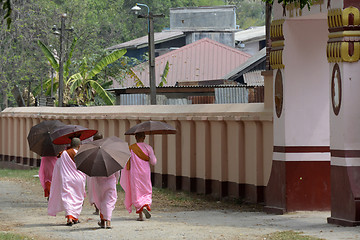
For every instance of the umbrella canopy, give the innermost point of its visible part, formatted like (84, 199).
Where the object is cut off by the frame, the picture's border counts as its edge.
(40, 141)
(151, 127)
(102, 157)
(64, 134)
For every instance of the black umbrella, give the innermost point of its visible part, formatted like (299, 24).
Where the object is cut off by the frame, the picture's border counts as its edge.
(151, 127)
(39, 138)
(64, 134)
(102, 157)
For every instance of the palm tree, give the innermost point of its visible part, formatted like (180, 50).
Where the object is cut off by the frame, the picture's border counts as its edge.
(84, 84)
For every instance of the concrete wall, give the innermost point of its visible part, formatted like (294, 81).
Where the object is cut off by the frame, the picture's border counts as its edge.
(203, 18)
(220, 149)
(226, 38)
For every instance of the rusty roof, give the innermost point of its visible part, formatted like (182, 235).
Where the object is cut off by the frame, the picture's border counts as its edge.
(203, 60)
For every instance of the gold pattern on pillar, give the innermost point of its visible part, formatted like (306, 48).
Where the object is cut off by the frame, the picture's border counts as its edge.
(344, 35)
(277, 44)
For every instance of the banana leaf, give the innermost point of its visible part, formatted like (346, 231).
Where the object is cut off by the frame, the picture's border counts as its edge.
(164, 75)
(112, 57)
(101, 92)
(50, 57)
(75, 81)
(68, 61)
(107, 84)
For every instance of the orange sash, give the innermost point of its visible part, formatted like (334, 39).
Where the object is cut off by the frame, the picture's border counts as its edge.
(71, 153)
(137, 150)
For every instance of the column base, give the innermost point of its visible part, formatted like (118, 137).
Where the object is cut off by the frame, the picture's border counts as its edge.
(343, 222)
(298, 186)
(274, 210)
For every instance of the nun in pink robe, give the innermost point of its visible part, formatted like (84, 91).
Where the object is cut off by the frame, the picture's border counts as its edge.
(136, 181)
(104, 195)
(45, 173)
(67, 188)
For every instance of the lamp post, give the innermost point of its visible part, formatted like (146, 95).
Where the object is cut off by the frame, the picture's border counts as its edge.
(60, 31)
(151, 47)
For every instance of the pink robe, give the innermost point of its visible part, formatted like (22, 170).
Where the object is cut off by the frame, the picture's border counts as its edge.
(105, 194)
(136, 182)
(67, 188)
(89, 180)
(46, 171)
(90, 189)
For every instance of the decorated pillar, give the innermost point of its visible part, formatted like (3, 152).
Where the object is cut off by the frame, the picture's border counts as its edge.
(300, 175)
(343, 52)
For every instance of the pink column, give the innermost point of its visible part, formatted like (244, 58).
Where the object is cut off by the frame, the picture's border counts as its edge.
(300, 175)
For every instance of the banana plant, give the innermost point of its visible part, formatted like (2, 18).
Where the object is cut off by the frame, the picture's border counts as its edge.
(54, 63)
(164, 75)
(84, 84)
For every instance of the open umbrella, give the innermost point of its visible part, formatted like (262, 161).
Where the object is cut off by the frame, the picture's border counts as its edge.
(64, 134)
(102, 157)
(39, 138)
(151, 127)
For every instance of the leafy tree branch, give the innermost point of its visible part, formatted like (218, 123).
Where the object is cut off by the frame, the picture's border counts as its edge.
(302, 3)
(6, 6)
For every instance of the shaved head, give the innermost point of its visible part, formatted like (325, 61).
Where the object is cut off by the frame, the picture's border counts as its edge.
(75, 143)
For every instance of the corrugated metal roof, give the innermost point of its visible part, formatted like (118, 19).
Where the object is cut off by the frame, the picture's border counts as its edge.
(141, 42)
(231, 95)
(202, 8)
(253, 79)
(192, 88)
(202, 60)
(249, 35)
(243, 68)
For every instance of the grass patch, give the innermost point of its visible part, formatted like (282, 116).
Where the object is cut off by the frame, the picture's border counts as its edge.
(11, 174)
(166, 199)
(12, 236)
(289, 235)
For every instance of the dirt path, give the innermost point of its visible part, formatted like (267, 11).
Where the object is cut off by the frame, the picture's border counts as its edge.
(24, 210)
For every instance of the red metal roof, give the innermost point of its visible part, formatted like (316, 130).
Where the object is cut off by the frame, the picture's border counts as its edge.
(202, 60)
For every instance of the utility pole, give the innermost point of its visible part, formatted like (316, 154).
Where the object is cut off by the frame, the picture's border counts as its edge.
(61, 61)
(152, 60)
(151, 47)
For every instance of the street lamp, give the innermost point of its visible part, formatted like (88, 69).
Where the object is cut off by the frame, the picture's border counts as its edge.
(60, 31)
(151, 47)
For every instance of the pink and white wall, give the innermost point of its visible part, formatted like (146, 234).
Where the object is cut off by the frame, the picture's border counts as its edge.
(316, 132)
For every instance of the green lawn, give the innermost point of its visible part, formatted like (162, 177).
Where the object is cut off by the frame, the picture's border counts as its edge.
(12, 236)
(289, 235)
(27, 175)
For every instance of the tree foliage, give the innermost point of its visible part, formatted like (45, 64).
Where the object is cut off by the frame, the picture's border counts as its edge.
(302, 3)
(97, 24)
(249, 12)
(6, 11)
